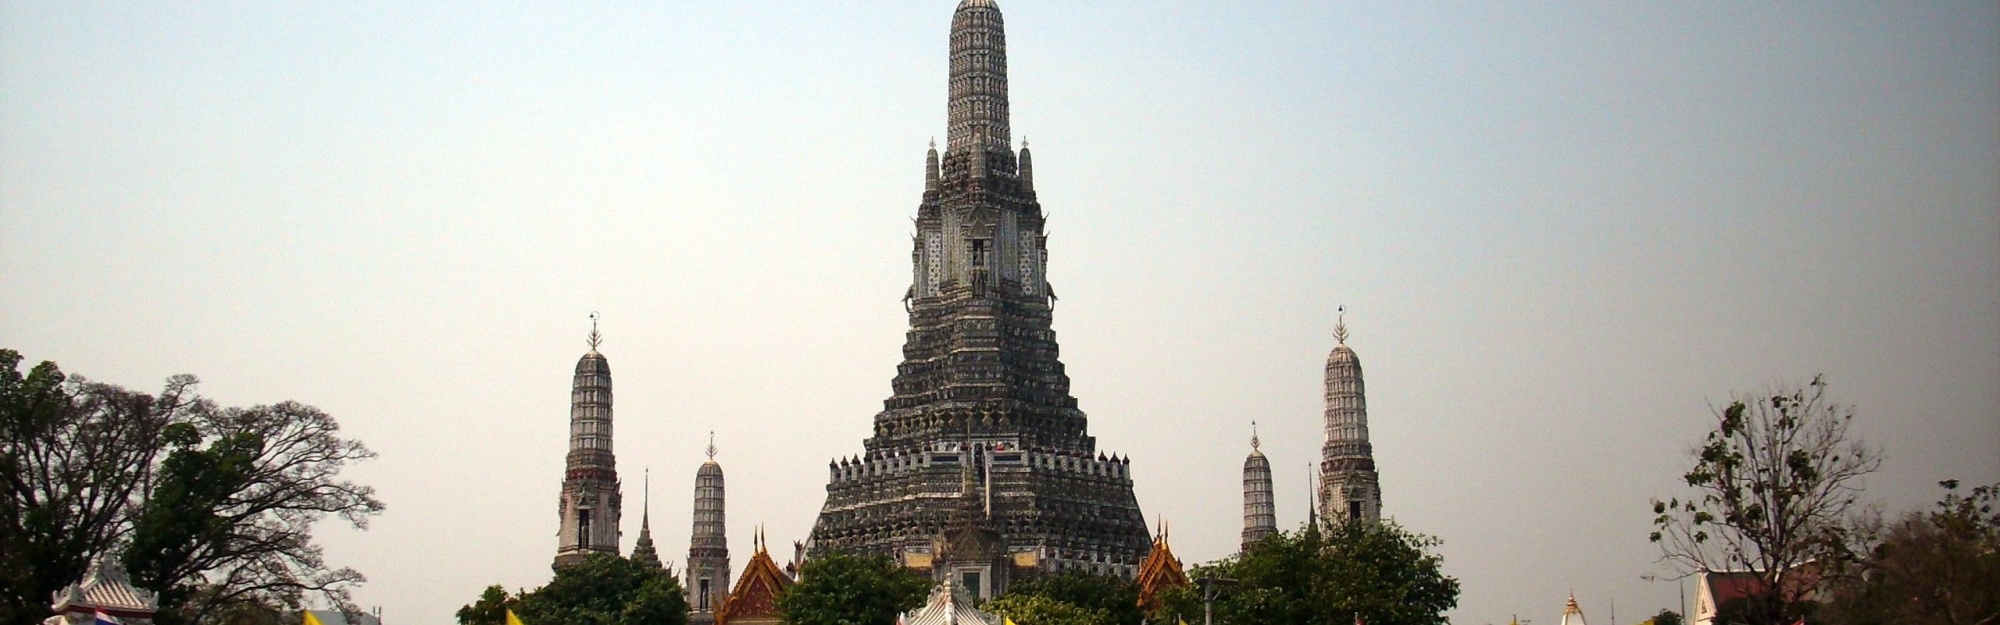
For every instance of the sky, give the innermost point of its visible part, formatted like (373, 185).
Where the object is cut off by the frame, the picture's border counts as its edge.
(1562, 232)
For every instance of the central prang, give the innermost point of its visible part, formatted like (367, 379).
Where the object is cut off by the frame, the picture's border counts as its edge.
(981, 467)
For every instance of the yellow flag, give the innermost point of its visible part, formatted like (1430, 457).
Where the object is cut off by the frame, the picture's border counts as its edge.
(1004, 620)
(513, 620)
(1183, 621)
(310, 619)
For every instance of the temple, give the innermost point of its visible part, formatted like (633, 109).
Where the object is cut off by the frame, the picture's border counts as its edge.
(754, 601)
(1349, 488)
(1159, 572)
(105, 589)
(980, 388)
(590, 492)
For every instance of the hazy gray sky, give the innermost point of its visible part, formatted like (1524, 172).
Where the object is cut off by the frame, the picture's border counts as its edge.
(1561, 229)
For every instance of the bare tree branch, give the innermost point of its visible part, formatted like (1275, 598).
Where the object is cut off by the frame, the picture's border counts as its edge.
(1774, 484)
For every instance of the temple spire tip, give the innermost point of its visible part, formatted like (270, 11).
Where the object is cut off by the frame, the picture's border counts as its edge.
(1340, 327)
(595, 339)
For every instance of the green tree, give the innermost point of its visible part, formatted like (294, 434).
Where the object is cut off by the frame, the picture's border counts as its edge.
(212, 506)
(72, 457)
(602, 589)
(840, 589)
(1666, 617)
(1116, 596)
(1939, 567)
(1030, 609)
(241, 510)
(490, 609)
(1774, 486)
(1375, 571)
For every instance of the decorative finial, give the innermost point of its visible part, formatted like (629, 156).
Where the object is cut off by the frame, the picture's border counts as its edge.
(595, 338)
(646, 502)
(1340, 327)
(711, 444)
(1024, 142)
(1253, 435)
(933, 144)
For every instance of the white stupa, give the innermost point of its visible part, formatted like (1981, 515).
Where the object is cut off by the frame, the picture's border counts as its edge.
(1573, 615)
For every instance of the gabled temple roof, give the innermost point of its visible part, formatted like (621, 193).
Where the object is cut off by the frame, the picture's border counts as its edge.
(756, 592)
(948, 606)
(1160, 571)
(105, 586)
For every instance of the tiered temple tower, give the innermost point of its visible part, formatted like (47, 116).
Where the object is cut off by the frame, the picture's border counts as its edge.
(590, 492)
(1349, 488)
(1260, 514)
(708, 546)
(980, 380)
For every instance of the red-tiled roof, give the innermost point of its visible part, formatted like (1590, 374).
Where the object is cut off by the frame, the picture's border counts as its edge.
(756, 592)
(1160, 571)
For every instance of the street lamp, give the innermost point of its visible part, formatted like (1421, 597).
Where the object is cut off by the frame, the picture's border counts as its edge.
(1209, 590)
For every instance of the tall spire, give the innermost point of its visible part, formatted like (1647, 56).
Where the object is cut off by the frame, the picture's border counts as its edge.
(979, 280)
(978, 102)
(708, 546)
(591, 500)
(1349, 486)
(643, 551)
(1260, 514)
(1312, 508)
